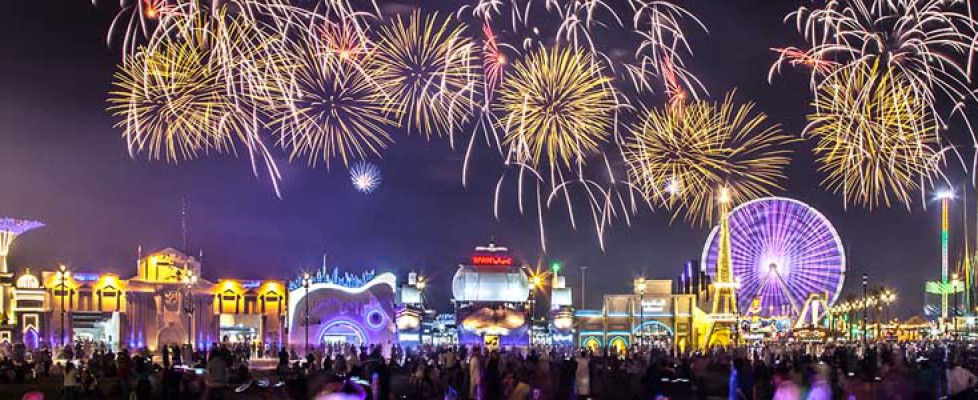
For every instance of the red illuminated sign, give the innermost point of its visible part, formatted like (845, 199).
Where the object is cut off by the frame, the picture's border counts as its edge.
(492, 260)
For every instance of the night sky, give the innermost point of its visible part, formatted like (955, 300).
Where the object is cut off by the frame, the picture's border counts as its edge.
(62, 162)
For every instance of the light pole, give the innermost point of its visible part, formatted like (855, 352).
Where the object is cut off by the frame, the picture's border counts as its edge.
(421, 285)
(955, 282)
(306, 281)
(640, 287)
(190, 280)
(583, 287)
(62, 275)
(865, 308)
(535, 281)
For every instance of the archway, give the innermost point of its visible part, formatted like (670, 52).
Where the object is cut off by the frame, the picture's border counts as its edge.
(592, 344)
(338, 332)
(170, 335)
(30, 338)
(619, 345)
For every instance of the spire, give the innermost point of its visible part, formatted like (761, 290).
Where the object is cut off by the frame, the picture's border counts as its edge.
(183, 224)
(725, 302)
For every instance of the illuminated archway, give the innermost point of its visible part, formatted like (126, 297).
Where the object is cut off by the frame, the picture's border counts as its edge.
(343, 332)
(592, 344)
(619, 345)
(30, 338)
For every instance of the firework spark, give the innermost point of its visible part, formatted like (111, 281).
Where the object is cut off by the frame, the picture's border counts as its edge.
(680, 158)
(365, 177)
(876, 138)
(557, 105)
(429, 72)
(326, 106)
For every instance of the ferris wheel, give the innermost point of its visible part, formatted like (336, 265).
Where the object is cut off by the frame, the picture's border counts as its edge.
(782, 251)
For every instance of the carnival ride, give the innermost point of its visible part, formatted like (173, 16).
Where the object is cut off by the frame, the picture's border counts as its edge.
(782, 251)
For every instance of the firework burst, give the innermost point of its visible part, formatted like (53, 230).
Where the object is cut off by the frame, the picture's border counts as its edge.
(877, 141)
(365, 177)
(173, 102)
(930, 42)
(556, 105)
(681, 157)
(429, 72)
(326, 107)
(179, 96)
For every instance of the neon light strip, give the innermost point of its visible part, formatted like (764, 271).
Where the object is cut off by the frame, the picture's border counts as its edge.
(944, 236)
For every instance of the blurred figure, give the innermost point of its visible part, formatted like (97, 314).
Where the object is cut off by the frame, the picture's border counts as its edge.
(821, 387)
(960, 382)
(784, 388)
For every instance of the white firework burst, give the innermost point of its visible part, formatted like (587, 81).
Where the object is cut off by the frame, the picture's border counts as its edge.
(365, 177)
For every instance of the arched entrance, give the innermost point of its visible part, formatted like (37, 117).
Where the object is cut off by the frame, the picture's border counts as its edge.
(592, 344)
(170, 335)
(30, 338)
(619, 345)
(339, 332)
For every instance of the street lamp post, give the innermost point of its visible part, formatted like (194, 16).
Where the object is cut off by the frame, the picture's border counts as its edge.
(62, 275)
(306, 281)
(865, 308)
(583, 287)
(955, 282)
(535, 282)
(421, 285)
(640, 285)
(190, 280)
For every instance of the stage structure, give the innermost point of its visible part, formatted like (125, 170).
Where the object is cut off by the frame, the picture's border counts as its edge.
(781, 252)
(12, 329)
(333, 307)
(491, 295)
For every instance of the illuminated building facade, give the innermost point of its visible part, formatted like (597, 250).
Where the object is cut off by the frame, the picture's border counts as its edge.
(651, 316)
(164, 303)
(491, 295)
(330, 307)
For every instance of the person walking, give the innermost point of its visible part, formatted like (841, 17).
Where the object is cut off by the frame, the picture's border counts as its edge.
(70, 381)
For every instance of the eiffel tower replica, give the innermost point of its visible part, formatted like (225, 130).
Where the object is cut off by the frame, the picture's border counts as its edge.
(723, 315)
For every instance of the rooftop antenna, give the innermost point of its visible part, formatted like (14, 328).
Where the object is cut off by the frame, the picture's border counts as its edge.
(183, 223)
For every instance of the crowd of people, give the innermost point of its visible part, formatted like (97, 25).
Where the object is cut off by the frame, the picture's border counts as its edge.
(913, 370)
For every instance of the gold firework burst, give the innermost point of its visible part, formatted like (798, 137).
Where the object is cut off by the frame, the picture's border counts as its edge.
(877, 139)
(556, 104)
(429, 71)
(682, 156)
(325, 106)
(172, 102)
